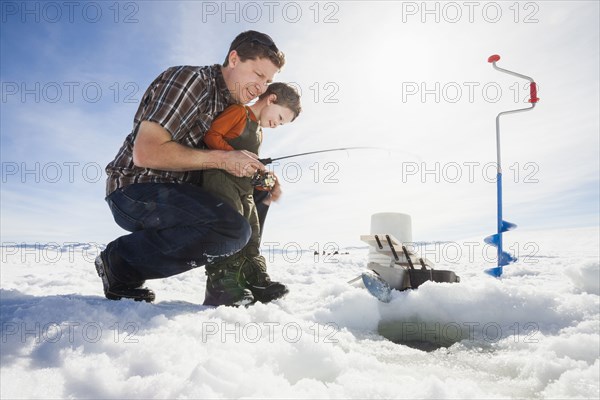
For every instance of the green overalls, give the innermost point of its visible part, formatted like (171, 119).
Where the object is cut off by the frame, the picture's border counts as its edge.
(237, 191)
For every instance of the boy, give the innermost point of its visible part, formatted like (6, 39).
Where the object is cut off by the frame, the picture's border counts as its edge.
(239, 128)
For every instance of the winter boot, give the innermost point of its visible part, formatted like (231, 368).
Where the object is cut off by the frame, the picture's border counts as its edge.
(224, 287)
(115, 290)
(254, 272)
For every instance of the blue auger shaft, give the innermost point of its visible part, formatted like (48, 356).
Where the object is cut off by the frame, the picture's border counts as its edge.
(500, 227)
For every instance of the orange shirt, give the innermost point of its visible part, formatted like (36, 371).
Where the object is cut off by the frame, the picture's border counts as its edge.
(228, 125)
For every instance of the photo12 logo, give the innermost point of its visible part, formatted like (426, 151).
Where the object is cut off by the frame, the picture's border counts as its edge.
(467, 172)
(53, 12)
(69, 92)
(474, 252)
(49, 252)
(70, 331)
(270, 11)
(463, 92)
(51, 172)
(453, 12)
(452, 332)
(253, 332)
(293, 252)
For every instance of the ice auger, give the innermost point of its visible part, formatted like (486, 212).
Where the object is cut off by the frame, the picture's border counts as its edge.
(504, 258)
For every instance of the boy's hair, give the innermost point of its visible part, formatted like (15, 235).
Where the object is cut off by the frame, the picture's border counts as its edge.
(252, 45)
(287, 96)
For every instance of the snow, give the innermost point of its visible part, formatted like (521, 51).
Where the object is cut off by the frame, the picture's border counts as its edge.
(534, 333)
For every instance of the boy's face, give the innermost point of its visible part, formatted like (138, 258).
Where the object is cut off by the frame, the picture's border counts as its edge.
(248, 79)
(274, 115)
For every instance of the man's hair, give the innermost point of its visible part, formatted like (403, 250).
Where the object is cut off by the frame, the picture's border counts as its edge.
(287, 96)
(252, 45)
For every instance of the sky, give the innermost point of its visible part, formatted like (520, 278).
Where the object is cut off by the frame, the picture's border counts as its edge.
(410, 78)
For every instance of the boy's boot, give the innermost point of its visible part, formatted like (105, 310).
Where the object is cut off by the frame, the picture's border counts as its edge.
(223, 285)
(115, 290)
(254, 272)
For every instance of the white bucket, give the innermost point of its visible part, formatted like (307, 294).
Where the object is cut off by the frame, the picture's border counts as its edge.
(397, 225)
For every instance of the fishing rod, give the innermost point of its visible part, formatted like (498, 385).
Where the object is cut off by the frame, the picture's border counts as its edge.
(266, 179)
(267, 161)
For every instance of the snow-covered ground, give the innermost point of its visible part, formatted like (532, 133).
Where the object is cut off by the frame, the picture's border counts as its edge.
(532, 334)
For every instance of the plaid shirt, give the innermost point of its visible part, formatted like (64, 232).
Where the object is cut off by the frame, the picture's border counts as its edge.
(184, 100)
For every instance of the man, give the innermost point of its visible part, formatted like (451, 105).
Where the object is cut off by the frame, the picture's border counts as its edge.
(154, 183)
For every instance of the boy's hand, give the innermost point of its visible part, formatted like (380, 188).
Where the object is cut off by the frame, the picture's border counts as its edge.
(241, 163)
(276, 190)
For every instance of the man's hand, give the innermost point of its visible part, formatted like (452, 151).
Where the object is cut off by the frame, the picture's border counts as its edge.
(241, 163)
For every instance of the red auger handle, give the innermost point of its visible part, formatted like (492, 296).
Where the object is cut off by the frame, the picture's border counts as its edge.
(532, 86)
(533, 93)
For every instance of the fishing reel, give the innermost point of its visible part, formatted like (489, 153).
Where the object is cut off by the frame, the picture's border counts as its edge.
(264, 180)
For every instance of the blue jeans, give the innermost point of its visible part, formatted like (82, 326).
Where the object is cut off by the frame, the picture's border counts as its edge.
(174, 228)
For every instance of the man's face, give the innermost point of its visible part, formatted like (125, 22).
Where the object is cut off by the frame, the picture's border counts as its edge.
(248, 80)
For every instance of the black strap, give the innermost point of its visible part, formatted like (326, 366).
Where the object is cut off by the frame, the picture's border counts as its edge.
(387, 237)
(410, 263)
(378, 242)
